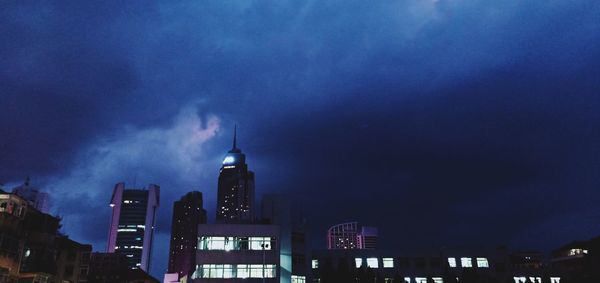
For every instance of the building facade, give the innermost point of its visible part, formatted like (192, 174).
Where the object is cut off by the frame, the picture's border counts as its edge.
(238, 253)
(72, 261)
(31, 247)
(235, 195)
(443, 266)
(351, 235)
(132, 224)
(188, 213)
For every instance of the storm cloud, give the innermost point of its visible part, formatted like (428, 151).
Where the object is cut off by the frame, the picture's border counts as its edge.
(464, 121)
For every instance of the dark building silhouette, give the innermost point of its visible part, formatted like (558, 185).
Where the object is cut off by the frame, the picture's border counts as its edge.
(113, 268)
(187, 214)
(31, 247)
(235, 200)
(72, 260)
(132, 224)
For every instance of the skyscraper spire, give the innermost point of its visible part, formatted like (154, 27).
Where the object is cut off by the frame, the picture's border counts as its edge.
(234, 136)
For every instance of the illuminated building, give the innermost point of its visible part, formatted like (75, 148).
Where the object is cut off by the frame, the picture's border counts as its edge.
(235, 196)
(187, 214)
(351, 236)
(227, 252)
(132, 224)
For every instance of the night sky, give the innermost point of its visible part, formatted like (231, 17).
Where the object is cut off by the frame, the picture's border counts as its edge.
(441, 122)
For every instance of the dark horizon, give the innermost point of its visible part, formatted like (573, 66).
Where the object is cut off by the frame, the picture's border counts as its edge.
(438, 122)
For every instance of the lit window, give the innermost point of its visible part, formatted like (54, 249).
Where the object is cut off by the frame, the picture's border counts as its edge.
(228, 271)
(298, 279)
(243, 271)
(260, 243)
(407, 279)
(554, 279)
(256, 271)
(228, 160)
(420, 279)
(437, 280)
(574, 252)
(372, 262)
(466, 262)
(358, 262)
(520, 279)
(315, 263)
(482, 262)
(452, 262)
(388, 262)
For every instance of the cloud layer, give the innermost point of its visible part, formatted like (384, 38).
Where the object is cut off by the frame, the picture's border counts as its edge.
(466, 121)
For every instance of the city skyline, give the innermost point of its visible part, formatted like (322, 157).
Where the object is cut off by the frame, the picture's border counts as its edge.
(466, 122)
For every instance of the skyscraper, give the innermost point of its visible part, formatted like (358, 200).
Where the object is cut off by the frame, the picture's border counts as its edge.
(235, 200)
(132, 224)
(187, 214)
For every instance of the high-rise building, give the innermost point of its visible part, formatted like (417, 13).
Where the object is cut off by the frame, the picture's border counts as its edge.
(350, 235)
(132, 224)
(235, 200)
(187, 214)
(34, 196)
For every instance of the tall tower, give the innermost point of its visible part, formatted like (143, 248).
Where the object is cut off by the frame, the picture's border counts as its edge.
(235, 197)
(187, 214)
(132, 224)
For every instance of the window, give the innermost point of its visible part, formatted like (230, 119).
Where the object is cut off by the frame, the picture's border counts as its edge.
(243, 271)
(482, 262)
(372, 262)
(421, 280)
(388, 262)
(407, 279)
(437, 280)
(466, 262)
(315, 263)
(298, 279)
(260, 243)
(256, 271)
(240, 271)
(228, 271)
(358, 262)
(554, 279)
(452, 262)
(235, 243)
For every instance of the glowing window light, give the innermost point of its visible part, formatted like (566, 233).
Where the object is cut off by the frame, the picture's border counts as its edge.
(358, 262)
(452, 262)
(372, 262)
(482, 262)
(228, 160)
(466, 262)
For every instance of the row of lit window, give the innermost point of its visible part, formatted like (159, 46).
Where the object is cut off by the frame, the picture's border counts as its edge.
(129, 247)
(388, 262)
(235, 271)
(298, 279)
(523, 279)
(373, 262)
(467, 262)
(235, 243)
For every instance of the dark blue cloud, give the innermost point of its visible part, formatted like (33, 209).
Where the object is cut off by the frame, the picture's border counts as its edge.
(464, 121)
